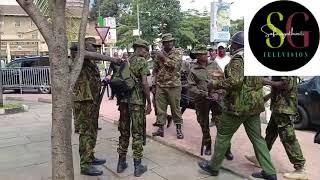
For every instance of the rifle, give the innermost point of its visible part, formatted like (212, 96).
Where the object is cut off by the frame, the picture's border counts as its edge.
(104, 86)
(201, 149)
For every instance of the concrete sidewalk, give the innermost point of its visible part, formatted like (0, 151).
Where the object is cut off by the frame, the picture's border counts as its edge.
(241, 145)
(25, 152)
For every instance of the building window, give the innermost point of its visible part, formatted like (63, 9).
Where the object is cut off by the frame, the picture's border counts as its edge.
(20, 35)
(18, 23)
(35, 35)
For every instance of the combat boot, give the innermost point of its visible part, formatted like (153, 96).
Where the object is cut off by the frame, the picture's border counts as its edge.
(297, 174)
(122, 164)
(229, 155)
(263, 175)
(139, 169)
(204, 165)
(91, 171)
(207, 151)
(253, 159)
(159, 132)
(97, 161)
(179, 132)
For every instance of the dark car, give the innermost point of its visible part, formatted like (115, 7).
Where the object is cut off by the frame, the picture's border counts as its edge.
(28, 73)
(308, 103)
(36, 61)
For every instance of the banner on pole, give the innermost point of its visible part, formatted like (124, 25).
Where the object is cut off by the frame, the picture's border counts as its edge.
(220, 22)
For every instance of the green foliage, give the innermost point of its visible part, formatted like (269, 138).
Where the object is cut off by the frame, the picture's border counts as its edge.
(237, 25)
(193, 29)
(157, 17)
(11, 106)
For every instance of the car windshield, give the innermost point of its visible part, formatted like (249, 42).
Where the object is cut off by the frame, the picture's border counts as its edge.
(13, 65)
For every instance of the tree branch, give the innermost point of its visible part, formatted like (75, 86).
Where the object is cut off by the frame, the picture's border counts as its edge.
(40, 21)
(76, 68)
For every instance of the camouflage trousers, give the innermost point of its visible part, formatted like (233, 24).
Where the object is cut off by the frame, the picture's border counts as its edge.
(131, 115)
(216, 111)
(86, 114)
(228, 125)
(282, 125)
(168, 96)
(202, 111)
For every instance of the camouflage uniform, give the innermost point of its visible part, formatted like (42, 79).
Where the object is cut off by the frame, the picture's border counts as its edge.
(168, 86)
(133, 111)
(215, 94)
(243, 103)
(198, 83)
(284, 109)
(86, 110)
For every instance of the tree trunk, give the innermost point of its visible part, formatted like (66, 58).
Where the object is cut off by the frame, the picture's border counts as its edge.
(62, 161)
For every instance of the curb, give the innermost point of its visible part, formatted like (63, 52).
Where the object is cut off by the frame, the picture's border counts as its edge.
(14, 98)
(163, 142)
(23, 108)
(43, 100)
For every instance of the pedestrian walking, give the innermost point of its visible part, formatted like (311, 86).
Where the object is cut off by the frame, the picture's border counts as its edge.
(284, 103)
(216, 96)
(243, 104)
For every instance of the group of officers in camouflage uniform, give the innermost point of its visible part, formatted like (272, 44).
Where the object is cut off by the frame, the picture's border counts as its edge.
(241, 98)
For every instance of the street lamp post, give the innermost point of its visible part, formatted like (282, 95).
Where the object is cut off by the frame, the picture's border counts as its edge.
(138, 18)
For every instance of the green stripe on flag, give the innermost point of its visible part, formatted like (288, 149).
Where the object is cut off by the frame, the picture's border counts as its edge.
(101, 21)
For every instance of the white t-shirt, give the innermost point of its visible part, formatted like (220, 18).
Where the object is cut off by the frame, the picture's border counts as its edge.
(222, 62)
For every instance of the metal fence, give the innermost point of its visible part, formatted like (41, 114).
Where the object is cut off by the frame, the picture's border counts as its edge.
(34, 77)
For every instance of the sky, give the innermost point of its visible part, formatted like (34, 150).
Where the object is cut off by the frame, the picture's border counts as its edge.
(201, 5)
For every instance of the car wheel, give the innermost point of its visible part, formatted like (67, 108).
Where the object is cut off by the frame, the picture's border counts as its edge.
(302, 121)
(44, 89)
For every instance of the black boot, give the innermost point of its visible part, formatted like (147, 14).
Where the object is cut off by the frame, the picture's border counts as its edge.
(139, 169)
(97, 161)
(229, 155)
(122, 164)
(207, 151)
(159, 132)
(179, 132)
(206, 167)
(91, 171)
(263, 175)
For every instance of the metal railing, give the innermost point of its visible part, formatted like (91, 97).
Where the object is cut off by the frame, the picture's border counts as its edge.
(34, 77)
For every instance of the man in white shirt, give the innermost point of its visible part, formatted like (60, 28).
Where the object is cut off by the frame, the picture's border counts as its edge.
(222, 58)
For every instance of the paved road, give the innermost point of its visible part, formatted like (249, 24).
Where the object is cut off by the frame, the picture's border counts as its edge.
(25, 151)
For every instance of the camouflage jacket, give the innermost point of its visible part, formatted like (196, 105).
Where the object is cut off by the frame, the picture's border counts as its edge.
(185, 70)
(244, 95)
(212, 68)
(139, 68)
(285, 100)
(167, 74)
(198, 82)
(88, 85)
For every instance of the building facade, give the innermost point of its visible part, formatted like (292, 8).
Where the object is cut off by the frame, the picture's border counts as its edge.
(19, 35)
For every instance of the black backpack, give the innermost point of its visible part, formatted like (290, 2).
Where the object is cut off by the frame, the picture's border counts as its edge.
(123, 82)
